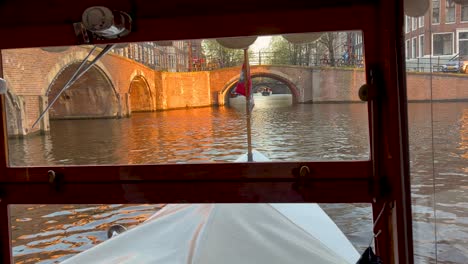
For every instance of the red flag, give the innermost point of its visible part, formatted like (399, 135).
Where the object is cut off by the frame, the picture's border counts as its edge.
(240, 88)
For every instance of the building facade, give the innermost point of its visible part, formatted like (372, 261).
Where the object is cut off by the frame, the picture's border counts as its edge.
(438, 36)
(173, 56)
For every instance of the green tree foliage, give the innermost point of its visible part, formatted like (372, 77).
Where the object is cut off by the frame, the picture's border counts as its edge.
(224, 57)
(279, 51)
(283, 52)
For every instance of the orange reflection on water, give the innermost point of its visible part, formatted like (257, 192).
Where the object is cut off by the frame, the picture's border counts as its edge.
(464, 136)
(60, 231)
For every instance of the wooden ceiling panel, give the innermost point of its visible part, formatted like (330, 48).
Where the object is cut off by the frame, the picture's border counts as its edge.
(33, 23)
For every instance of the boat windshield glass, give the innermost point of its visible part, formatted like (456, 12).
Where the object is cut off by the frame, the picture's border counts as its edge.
(185, 101)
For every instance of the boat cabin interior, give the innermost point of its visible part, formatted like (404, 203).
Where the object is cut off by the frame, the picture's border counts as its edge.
(381, 180)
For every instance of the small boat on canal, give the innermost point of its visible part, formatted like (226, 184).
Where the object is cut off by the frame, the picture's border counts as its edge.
(266, 91)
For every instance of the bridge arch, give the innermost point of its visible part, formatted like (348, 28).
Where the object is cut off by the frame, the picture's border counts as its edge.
(63, 61)
(91, 96)
(224, 96)
(141, 97)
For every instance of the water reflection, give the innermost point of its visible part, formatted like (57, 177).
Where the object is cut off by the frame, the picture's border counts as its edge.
(54, 232)
(280, 130)
(444, 179)
(464, 136)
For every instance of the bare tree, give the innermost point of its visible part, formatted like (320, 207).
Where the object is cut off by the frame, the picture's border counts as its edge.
(330, 41)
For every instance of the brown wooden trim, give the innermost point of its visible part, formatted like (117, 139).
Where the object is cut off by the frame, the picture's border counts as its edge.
(391, 136)
(5, 234)
(203, 171)
(5, 253)
(3, 126)
(260, 22)
(349, 191)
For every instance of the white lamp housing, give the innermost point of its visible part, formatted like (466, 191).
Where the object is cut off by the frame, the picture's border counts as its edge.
(237, 42)
(3, 86)
(417, 8)
(302, 38)
(103, 22)
(55, 49)
(121, 45)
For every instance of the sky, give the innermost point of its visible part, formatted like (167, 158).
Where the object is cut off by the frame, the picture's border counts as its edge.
(261, 43)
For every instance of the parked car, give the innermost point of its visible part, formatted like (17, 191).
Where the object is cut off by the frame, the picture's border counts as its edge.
(455, 65)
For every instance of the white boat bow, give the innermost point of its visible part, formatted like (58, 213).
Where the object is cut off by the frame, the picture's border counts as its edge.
(229, 234)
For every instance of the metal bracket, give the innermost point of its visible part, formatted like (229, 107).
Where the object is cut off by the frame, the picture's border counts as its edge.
(302, 174)
(55, 179)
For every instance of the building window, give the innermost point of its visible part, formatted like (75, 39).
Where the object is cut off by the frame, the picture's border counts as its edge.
(435, 11)
(145, 55)
(421, 45)
(464, 12)
(450, 11)
(421, 21)
(442, 44)
(413, 48)
(408, 49)
(415, 23)
(171, 60)
(463, 44)
(407, 24)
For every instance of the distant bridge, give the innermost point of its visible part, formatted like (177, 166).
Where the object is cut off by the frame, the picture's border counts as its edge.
(117, 86)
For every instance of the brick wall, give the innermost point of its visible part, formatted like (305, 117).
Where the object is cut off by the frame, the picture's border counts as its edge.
(337, 85)
(189, 89)
(421, 86)
(30, 73)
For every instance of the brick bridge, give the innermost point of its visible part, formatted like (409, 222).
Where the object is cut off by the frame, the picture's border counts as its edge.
(117, 86)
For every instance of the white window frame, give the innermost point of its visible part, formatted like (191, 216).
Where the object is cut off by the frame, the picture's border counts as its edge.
(407, 24)
(421, 21)
(461, 10)
(421, 48)
(407, 49)
(454, 12)
(414, 47)
(442, 33)
(414, 24)
(463, 30)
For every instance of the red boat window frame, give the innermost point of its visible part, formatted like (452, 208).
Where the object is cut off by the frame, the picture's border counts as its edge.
(383, 180)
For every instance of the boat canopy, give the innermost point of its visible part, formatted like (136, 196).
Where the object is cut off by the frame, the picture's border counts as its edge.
(229, 234)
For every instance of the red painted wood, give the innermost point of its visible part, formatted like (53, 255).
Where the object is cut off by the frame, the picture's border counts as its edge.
(5, 253)
(254, 22)
(350, 191)
(349, 182)
(389, 133)
(204, 171)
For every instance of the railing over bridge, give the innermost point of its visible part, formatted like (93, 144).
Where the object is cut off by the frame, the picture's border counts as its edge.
(265, 58)
(277, 58)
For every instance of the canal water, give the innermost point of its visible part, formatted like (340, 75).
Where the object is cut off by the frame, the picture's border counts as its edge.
(281, 131)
